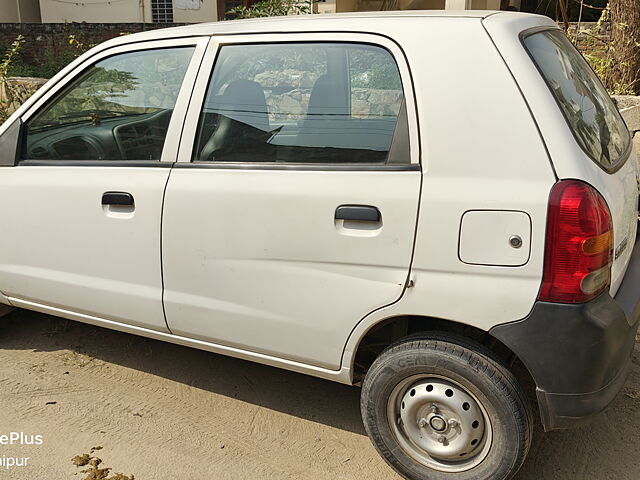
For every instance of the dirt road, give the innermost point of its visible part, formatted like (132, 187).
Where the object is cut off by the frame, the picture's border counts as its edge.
(162, 411)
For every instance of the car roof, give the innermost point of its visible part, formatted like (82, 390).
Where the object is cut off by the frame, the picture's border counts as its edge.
(373, 22)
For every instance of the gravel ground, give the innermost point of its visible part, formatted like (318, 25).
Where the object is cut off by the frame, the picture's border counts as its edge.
(159, 411)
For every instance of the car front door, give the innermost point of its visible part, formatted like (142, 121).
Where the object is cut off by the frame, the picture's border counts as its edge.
(81, 209)
(291, 212)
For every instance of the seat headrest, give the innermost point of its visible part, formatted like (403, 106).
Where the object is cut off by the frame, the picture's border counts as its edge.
(244, 101)
(328, 97)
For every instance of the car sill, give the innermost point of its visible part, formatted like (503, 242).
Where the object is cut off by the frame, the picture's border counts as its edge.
(340, 376)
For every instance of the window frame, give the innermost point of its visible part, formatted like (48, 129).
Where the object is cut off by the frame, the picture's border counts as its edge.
(622, 160)
(190, 131)
(162, 10)
(170, 147)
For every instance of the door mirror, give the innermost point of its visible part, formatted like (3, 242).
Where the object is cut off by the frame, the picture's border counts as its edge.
(9, 143)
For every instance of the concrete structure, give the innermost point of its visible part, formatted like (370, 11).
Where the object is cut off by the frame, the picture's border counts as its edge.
(26, 11)
(128, 11)
(629, 107)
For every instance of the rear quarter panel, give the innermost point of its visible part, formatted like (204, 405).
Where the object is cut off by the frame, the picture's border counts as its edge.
(480, 150)
(619, 189)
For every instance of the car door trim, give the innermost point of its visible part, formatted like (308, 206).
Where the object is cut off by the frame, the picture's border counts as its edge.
(339, 167)
(95, 163)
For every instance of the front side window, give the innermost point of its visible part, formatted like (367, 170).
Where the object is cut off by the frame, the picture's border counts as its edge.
(301, 103)
(118, 109)
(590, 112)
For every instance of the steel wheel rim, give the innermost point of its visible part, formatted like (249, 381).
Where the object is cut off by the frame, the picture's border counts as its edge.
(439, 423)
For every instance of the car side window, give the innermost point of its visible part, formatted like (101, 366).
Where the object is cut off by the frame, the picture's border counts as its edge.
(118, 109)
(329, 103)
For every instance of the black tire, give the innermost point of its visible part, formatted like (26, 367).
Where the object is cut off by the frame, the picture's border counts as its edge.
(470, 366)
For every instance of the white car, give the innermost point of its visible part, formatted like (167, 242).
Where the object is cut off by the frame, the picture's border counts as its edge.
(438, 206)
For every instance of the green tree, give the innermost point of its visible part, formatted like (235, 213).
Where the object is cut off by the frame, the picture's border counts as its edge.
(270, 8)
(11, 96)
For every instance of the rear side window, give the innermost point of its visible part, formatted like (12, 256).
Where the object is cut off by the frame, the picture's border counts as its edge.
(301, 103)
(590, 112)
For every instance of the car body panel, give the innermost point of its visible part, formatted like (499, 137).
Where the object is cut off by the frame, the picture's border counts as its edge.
(266, 268)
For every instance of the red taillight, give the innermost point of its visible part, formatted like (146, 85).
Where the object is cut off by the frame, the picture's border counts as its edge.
(579, 244)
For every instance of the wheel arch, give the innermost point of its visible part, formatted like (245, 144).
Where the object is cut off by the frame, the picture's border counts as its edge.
(386, 331)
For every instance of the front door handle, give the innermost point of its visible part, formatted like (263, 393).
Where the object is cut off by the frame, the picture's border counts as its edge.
(117, 198)
(359, 213)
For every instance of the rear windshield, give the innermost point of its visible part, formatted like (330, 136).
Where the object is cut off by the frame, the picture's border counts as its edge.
(590, 112)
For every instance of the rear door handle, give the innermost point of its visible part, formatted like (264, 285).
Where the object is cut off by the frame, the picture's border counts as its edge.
(360, 213)
(117, 198)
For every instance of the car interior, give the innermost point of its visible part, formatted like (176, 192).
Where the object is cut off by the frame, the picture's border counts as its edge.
(119, 137)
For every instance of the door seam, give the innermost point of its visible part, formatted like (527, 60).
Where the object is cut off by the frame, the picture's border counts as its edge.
(164, 194)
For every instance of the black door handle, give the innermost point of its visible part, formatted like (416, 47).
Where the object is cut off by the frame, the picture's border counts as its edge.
(117, 198)
(360, 213)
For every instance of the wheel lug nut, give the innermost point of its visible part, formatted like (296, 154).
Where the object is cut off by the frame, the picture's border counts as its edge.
(441, 439)
(453, 423)
(434, 408)
(422, 422)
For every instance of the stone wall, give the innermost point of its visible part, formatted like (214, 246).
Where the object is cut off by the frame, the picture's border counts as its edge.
(629, 107)
(31, 84)
(15, 91)
(366, 103)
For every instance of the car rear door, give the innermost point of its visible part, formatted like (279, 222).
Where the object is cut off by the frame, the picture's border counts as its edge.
(291, 212)
(81, 209)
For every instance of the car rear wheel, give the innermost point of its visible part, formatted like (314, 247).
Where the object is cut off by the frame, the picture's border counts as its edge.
(443, 409)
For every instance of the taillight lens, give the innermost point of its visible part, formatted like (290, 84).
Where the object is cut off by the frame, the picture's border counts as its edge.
(579, 244)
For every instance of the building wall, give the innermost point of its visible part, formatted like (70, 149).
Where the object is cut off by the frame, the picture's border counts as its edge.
(8, 11)
(485, 5)
(27, 11)
(473, 4)
(347, 6)
(124, 11)
(421, 4)
(325, 6)
(206, 11)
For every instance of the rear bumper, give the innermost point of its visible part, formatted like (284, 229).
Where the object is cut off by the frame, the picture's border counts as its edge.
(578, 355)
